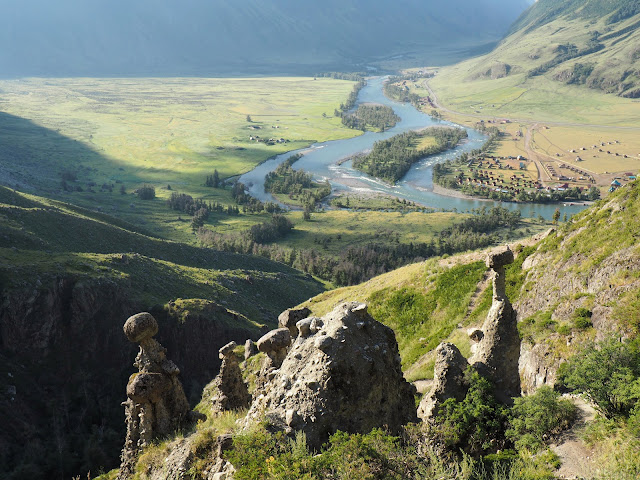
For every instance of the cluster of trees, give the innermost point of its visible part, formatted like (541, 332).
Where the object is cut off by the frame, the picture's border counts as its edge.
(351, 100)
(380, 117)
(391, 159)
(198, 208)
(567, 52)
(286, 180)
(400, 93)
(353, 76)
(251, 204)
(146, 192)
(267, 232)
(187, 204)
(479, 425)
(213, 180)
(362, 262)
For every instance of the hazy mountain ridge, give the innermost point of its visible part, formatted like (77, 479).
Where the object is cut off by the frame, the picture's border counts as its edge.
(72, 37)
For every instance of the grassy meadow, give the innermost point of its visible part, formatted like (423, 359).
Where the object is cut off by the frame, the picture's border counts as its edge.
(170, 133)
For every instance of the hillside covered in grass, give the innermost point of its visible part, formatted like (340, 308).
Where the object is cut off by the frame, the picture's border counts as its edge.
(552, 53)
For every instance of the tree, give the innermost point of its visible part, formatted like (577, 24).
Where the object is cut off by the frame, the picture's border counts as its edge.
(556, 216)
(146, 192)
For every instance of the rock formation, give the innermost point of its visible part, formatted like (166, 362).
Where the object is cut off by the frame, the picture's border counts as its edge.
(342, 373)
(275, 344)
(156, 403)
(231, 392)
(498, 351)
(290, 317)
(448, 380)
(250, 349)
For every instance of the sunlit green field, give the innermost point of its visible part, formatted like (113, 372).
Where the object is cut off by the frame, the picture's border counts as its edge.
(170, 133)
(161, 130)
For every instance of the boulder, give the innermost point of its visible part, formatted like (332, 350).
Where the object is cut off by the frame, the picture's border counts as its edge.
(448, 380)
(290, 317)
(343, 374)
(275, 344)
(250, 349)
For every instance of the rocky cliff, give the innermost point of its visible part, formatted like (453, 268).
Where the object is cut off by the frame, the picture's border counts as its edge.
(63, 361)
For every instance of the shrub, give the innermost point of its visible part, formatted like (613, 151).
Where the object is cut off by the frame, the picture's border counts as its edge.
(582, 318)
(538, 416)
(608, 373)
(475, 425)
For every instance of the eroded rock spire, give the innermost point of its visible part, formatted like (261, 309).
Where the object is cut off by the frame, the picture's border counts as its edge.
(156, 404)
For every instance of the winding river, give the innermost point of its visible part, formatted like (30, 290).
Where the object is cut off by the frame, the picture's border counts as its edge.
(322, 161)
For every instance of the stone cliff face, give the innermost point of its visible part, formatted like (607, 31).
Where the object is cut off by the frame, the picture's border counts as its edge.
(64, 362)
(66, 359)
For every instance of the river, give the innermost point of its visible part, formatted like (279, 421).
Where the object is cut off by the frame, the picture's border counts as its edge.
(322, 161)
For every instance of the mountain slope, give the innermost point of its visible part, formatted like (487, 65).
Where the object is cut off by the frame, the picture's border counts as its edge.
(74, 37)
(592, 43)
(69, 278)
(580, 282)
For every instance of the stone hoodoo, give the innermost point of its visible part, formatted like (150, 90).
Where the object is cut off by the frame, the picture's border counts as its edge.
(290, 317)
(498, 349)
(156, 403)
(448, 380)
(231, 391)
(342, 373)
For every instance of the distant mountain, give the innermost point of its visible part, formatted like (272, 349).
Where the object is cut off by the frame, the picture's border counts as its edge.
(196, 37)
(595, 43)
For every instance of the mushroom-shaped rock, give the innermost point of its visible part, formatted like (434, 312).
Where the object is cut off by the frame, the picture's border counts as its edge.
(275, 344)
(499, 257)
(345, 374)
(448, 380)
(156, 404)
(289, 318)
(140, 327)
(148, 387)
(227, 350)
(497, 354)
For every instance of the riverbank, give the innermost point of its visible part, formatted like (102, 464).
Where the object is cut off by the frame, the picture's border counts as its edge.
(448, 192)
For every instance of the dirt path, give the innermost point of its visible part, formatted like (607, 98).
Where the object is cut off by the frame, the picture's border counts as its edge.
(577, 458)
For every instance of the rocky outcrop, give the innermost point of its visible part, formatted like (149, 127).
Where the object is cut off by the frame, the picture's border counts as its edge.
(230, 391)
(156, 403)
(342, 374)
(448, 380)
(538, 366)
(290, 317)
(498, 352)
(250, 349)
(275, 344)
